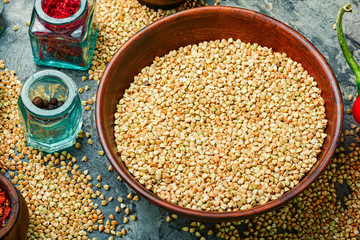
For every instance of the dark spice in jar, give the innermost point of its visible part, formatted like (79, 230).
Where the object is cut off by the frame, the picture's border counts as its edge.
(38, 101)
(59, 104)
(45, 104)
(53, 101)
(5, 207)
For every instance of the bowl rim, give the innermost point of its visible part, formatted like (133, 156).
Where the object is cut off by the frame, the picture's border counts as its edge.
(164, 6)
(207, 215)
(15, 205)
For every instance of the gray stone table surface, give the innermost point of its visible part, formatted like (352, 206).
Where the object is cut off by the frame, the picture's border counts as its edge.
(313, 19)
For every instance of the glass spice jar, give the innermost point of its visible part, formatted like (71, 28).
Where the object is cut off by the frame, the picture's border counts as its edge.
(64, 42)
(2, 16)
(56, 129)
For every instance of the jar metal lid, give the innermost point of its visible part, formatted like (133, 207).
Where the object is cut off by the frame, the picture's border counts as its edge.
(69, 82)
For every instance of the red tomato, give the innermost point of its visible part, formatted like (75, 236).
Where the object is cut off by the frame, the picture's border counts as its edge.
(356, 110)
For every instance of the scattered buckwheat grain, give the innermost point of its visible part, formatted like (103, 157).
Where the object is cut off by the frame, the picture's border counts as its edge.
(120, 20)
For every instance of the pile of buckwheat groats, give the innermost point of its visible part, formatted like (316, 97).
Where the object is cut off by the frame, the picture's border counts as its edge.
(221, 125)
(58, 194)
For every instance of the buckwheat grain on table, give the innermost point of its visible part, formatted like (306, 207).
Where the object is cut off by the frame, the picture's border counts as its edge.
(221, 126)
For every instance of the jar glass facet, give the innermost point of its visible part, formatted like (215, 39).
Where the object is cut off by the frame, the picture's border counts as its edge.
(64, 42)
(2, 16)
(50, 130)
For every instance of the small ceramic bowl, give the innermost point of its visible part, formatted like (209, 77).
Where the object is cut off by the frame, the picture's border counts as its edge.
(204, 24)
(163, 4)
(16, 226)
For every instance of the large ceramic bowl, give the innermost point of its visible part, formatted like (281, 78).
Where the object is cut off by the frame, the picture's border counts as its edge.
(211, 23)
(16, 226)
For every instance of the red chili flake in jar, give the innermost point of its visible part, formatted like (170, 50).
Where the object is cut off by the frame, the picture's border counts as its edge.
(5, 208)
(60, 8)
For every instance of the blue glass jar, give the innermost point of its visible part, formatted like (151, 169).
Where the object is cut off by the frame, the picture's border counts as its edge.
(50, 130)
(2, 17)
(64, 42)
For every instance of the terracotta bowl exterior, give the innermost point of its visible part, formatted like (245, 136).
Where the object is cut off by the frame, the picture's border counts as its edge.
(164, 4)
(17, 224)
(204, 24)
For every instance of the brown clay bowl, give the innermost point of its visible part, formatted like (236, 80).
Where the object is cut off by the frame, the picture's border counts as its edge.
(211, 23)
(17, 224)
(164, 4)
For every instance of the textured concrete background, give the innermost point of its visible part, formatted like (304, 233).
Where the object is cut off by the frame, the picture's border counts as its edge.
(313, 19)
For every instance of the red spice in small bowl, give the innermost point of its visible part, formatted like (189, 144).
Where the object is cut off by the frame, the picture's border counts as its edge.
(5, 208)
(60, 8)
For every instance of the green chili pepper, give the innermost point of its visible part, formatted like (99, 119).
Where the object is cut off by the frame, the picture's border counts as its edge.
(349, 58)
